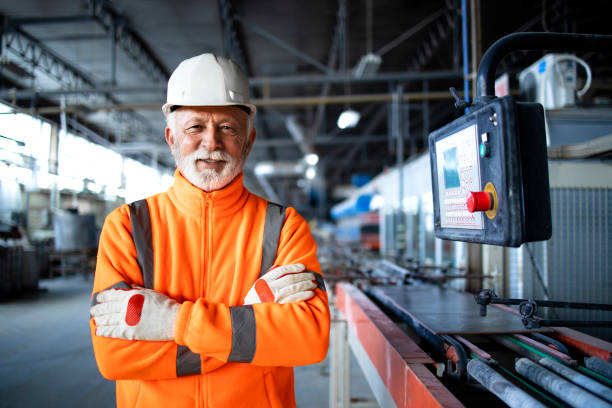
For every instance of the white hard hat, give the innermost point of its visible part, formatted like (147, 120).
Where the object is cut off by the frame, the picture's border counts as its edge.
(208, 80)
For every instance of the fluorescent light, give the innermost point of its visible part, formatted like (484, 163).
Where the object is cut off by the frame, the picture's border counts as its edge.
(311, 172)
(348, 119)
(368, 66)
(311, 159)
(263, 169)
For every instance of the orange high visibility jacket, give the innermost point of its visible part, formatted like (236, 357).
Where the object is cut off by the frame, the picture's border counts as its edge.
(206, 254)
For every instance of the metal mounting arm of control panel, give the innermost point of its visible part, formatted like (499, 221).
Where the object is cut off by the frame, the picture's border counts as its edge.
(528, 308)
(485, 79)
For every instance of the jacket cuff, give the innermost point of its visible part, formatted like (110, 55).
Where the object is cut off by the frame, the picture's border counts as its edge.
(182, 321)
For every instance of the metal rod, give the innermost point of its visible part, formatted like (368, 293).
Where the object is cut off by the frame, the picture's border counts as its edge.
(343, 78)
(486, 297)
(582, 380)
(595, 375)
(280, 43)
(599, 366)
(464, 36)
(294, 101)
(265, 184)
(50, 20)
(409, 33)
(399, 157)
(473, 348)
(518, 347)
(114, 54)
(551, 342)
(564, 390)
(533, 41)
(542, 347)
(536, 354)
(534, 323)
(500, 386)
(253, 82)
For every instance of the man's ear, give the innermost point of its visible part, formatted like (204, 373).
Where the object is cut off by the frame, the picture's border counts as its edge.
(250, 141)
(170, 139)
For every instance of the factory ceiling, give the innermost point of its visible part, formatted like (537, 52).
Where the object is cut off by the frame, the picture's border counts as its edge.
(106, 64)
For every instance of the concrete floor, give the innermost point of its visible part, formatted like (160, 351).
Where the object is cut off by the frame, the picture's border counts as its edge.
(46, 357)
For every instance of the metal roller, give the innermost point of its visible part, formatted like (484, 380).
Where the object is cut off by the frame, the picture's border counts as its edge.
(562, 389)
(582, 380)
(599, 366)
(502, 388)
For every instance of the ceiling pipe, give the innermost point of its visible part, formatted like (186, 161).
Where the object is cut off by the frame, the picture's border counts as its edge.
(299, 134)
(267, 187)
(265, 170)
(253, 82)
(290, 101)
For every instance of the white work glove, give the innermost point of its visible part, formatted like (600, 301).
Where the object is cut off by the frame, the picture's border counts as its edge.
(282, 284)
(135, 314)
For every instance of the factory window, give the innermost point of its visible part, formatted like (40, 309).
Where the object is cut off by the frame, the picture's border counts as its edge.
(24, 144)
(24, 149)
(141, 180)
(81, 160)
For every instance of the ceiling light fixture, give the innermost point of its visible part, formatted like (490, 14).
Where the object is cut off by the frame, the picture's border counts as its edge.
(368, 66)
(311, 172)
(311, 159)
(348, 119)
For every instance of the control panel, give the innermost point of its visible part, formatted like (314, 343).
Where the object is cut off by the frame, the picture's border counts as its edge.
(490, 175)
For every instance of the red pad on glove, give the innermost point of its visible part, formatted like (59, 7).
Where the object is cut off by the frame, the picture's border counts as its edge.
(264, 292)
(134, 310)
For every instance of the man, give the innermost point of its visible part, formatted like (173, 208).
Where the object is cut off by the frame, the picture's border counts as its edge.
(207, 295)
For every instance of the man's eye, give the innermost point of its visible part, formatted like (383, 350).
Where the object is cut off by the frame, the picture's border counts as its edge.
(194, 128)
(228, 129)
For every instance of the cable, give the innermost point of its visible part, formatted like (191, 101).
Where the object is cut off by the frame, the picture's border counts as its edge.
(579, 61)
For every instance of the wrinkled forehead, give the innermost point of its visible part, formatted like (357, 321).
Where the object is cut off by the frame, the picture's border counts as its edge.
(215, 113)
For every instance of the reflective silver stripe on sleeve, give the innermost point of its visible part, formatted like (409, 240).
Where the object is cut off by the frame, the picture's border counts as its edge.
(142, 235)
(187, 362)
(275, 217)
(243, 334)
(320, 281)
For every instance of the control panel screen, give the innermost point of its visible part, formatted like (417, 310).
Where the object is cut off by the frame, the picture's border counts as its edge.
(458, 174)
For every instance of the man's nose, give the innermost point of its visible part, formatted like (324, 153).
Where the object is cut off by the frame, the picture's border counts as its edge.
(210, 139)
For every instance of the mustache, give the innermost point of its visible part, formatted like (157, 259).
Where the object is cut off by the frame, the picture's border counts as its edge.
(203, 154)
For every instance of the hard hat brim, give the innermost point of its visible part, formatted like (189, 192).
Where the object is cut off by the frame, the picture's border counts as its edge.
(167, 106)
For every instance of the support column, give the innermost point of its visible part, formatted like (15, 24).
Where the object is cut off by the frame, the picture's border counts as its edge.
(340, 381)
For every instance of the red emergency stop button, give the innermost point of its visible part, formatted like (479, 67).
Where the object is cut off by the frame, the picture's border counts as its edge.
(479, 201)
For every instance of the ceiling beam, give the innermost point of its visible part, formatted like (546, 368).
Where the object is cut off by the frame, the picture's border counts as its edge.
(282, 44)
(254, 82)
(132, 44)
(31, 51)
(232, 45)
(51, 20)
(290, 101)
(37, 55)
(135, 147)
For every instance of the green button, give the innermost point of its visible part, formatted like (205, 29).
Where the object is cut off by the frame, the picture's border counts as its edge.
(484, 149)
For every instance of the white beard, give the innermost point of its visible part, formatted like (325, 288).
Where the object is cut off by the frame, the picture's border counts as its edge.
(208, 179)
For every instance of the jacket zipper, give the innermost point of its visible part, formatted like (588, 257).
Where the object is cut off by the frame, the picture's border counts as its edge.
(205, 280)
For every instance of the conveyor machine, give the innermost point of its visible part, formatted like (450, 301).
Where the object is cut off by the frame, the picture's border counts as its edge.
(422, 345)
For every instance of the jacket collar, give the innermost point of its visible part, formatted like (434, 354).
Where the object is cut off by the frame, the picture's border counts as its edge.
(191, 200)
